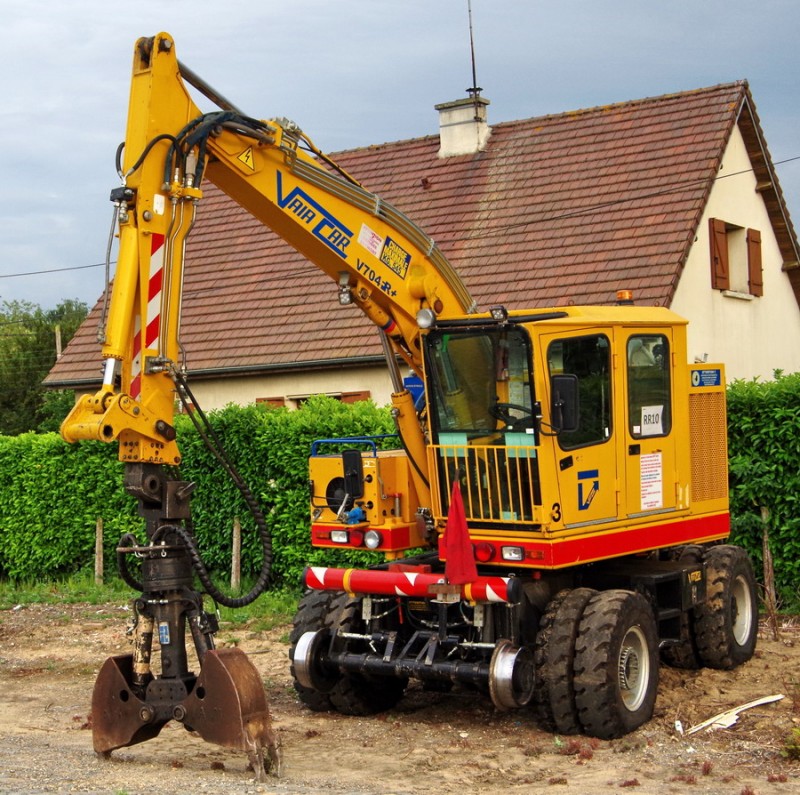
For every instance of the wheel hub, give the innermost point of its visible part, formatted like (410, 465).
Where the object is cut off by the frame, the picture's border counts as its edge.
(740, 610)
(633, 670)
(628, 669)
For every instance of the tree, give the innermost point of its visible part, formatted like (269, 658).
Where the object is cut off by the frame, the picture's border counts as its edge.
(27, 352)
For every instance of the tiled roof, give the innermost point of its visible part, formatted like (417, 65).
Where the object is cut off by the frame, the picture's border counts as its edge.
(558, 209)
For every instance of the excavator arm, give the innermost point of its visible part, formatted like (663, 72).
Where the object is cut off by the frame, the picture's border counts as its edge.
(379, 260)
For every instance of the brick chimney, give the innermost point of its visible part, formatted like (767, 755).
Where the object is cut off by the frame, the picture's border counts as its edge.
(463, 129)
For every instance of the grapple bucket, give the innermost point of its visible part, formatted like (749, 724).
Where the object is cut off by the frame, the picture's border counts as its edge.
(227, 706)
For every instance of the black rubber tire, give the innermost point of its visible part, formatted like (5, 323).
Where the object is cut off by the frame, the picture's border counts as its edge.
(616, 664)
(726, 624)
(684, 654)
(554, 655)
(360, 694)
(316, 610)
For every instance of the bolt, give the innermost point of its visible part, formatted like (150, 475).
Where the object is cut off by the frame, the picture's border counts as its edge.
(146, 714)
(179, 713)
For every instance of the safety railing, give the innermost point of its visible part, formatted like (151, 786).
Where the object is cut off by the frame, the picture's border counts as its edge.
(499, 484)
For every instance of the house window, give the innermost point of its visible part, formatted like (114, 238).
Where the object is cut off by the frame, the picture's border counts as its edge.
(296, 401)
(354, 397)
(735, 258)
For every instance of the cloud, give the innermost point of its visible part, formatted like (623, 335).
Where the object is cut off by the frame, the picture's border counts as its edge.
(351, 73)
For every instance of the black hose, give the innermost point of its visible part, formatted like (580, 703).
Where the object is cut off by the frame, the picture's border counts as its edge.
(129, 539)
(215, 446)
(142, 156)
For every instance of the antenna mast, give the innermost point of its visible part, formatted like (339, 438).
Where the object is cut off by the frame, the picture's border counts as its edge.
(475, 91)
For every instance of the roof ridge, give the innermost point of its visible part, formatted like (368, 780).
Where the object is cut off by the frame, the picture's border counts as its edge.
(741, 84)
(369, 147)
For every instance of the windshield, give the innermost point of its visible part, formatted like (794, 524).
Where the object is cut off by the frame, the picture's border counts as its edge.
(480, 381)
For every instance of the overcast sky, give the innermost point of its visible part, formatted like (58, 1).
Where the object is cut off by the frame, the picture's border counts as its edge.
(350, 73)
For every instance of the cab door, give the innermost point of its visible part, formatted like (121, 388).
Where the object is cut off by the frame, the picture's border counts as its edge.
(650, 435)
(585, 465)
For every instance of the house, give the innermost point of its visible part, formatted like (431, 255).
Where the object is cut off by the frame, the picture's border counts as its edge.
(673, 197)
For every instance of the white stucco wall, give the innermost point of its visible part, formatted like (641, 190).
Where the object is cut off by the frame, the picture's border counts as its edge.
(217, 393)
(751, 336)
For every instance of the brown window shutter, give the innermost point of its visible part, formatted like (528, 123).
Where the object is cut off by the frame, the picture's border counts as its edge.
(755, 271)
(720, 267)
(354, 397)
(277, 402)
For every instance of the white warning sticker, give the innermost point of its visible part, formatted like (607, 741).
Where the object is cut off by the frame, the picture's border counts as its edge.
(371, 240)
(652, 481)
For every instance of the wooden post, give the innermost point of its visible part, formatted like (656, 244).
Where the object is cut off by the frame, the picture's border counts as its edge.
(236, 556)
(98, 551)
(770, 598)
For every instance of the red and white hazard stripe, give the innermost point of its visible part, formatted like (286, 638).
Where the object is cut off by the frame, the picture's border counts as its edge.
(407, 584)
(153, 317)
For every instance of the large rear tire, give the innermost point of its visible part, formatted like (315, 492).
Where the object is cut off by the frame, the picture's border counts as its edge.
(616, 664)
(554, 656)
(726, 624)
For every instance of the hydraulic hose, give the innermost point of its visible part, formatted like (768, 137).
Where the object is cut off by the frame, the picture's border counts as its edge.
(214, 444)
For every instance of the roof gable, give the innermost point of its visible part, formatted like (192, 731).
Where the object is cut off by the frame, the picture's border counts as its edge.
(561, 209)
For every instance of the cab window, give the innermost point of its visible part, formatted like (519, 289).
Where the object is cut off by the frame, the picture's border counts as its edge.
(649, 397)
(589, 360)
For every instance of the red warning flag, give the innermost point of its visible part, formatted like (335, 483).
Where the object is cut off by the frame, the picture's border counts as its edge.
(459, 566)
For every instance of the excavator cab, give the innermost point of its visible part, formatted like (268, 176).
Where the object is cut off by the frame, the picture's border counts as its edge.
(484, 421)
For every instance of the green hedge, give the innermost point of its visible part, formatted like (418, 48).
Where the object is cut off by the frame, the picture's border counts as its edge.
(764, 464)
(51, 493)
(270, 447)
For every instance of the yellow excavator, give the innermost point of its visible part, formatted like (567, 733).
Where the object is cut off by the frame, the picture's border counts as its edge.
(552, 517)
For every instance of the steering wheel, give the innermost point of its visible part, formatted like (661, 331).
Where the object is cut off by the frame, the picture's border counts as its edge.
(502, 412)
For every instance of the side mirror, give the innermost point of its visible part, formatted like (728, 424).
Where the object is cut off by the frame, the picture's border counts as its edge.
(564, 404)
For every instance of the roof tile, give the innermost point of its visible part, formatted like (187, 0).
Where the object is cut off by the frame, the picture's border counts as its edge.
(558, 209)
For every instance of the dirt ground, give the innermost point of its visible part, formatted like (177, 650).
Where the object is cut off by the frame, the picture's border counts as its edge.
(431, 743)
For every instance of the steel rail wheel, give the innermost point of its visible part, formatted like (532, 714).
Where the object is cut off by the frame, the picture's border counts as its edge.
(316, 610)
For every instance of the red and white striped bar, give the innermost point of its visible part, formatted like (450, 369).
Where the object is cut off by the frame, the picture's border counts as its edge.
(409, 583)
(153, 319)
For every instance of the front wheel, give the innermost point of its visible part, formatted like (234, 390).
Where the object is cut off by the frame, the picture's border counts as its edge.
(362, 694)
(726, 624)
(616, 664)
(554, 655)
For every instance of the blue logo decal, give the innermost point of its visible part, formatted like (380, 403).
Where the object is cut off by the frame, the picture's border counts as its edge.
(706, 378)
(585, 497)
(163, 633)
(324, 226)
